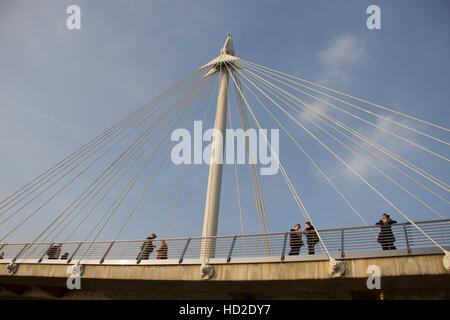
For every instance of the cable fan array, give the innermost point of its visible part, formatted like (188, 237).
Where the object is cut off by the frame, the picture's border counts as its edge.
(276, 89)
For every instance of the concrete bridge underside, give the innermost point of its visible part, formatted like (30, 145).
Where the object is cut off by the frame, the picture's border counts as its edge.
(405, 277)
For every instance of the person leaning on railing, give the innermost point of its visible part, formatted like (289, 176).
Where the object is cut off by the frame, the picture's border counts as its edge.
(386, 237)
(146, 248)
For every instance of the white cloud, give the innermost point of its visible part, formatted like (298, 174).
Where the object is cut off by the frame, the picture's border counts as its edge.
(339, 59)
(382, 138)
(308, 114)
(341, 55)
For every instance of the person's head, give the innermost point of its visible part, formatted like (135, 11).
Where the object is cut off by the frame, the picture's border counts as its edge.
(307, 224)
(297, 226)
(385, 216)
(152, 236)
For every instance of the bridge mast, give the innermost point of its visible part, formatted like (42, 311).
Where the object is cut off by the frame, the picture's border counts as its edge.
(211, 215)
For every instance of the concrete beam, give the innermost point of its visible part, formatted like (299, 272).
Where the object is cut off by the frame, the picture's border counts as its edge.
(407, 277)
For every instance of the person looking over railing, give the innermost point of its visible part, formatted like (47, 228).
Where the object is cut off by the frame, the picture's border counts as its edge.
(162, 251)
(54, 251)
(311, 237)
(295, 240)
(386, 237)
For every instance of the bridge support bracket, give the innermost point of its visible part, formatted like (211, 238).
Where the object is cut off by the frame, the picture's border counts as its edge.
(337, 268)
(446, 260)
(76, 269)
(12, 268)
(206, 271)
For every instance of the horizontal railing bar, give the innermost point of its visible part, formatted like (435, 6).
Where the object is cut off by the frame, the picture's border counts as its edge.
(270, 244)
(258, 235)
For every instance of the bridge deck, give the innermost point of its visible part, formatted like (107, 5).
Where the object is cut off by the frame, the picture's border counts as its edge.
(413, 276)
(245, 267)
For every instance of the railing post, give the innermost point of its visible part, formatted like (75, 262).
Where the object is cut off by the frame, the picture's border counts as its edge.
(406, 238)
(20, 252)
(74, 253)
(45, 252)
(283, 250)
(2, 246)
(231, 248)
(184, 250)
(342, 243)
(106, 253)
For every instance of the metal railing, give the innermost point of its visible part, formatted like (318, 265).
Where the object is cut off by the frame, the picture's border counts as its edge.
(340, 242)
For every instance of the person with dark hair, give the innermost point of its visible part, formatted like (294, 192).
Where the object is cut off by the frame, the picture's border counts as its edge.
(2, 255)
(162, 251)
(54, 251)
(311, 237)
(147, 247)
(386, 237)
(295, 240)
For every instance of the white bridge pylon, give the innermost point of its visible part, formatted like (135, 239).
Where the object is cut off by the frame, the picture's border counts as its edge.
(211, 215)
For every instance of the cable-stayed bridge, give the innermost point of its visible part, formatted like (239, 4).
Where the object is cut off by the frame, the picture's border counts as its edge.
(107, 181)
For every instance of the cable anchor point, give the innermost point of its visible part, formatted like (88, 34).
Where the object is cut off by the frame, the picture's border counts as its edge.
(446, 260)
(337, 268)
(206, 271)
(12, 268)
(76, 269)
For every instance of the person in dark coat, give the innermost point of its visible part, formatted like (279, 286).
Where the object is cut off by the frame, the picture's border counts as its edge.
(147, 247)
(65, 256)
(295, 240)
(162, 251)
(386, 237)
(2, 255)
(54, 251)
(311, 237)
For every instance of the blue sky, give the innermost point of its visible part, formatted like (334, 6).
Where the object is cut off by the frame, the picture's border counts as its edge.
(59, 88)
